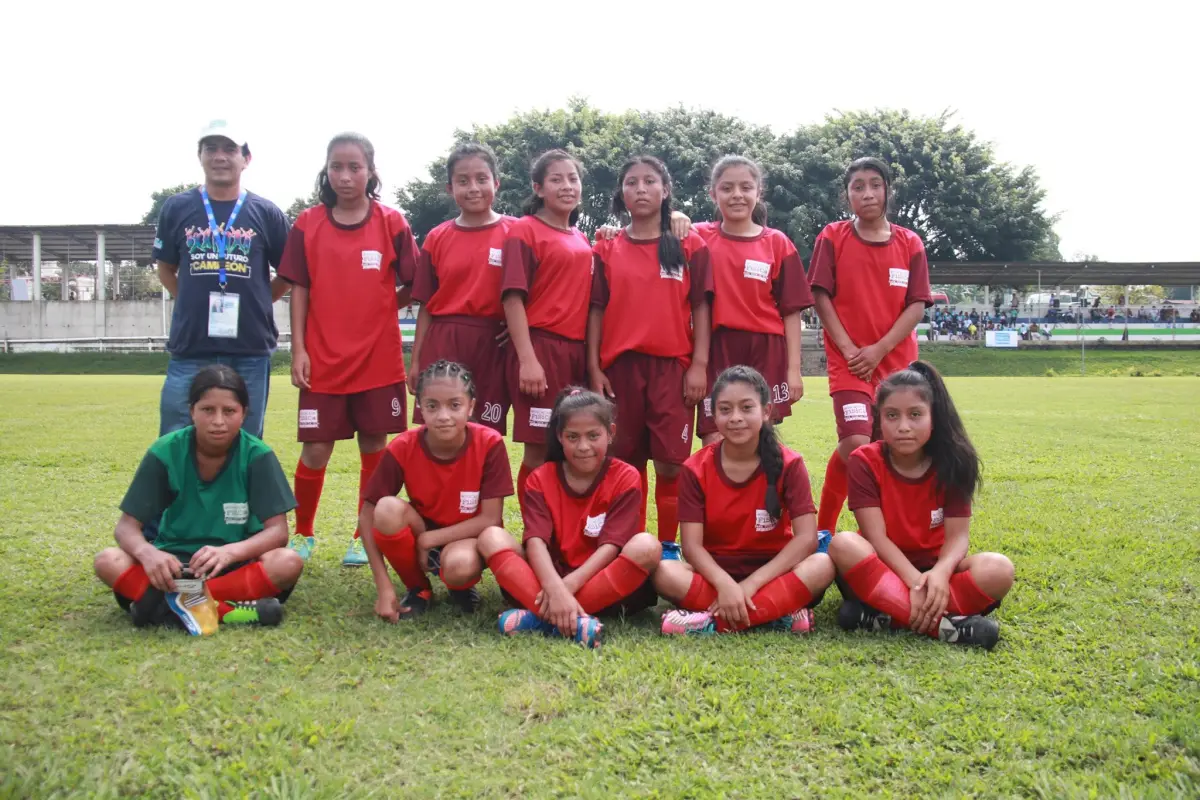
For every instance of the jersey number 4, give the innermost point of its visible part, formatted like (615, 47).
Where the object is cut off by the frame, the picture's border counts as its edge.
(491, 412)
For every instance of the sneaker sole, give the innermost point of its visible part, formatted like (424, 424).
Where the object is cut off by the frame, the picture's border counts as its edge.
(185, 616)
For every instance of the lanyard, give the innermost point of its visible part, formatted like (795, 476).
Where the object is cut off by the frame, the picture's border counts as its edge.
(219, 236)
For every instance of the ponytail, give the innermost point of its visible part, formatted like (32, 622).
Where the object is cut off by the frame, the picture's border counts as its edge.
(570, 401)
(759, 215)
(670, 249)
(537, 174)
(770, 451)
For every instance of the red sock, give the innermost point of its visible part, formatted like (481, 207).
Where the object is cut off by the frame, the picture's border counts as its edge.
(666, 500)
(833, 494)
(369, 462)
(245, 583)
(781, 596)
(966, 597)
(400, 550)
(611, 585)
(645, 496)
(132, 583)
(459, 587)
(700, 596)
(516, 577)
(308, 483)
(522, 479)
(874, 583)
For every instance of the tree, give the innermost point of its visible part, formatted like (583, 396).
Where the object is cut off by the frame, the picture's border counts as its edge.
(158, 198)
(300, 203)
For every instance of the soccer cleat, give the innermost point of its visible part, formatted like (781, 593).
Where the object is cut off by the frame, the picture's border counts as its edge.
(197, 611)
(356, 554)
(823, 540)
(973, 630)
(853, 615)
(670, 551)
(304, 545)
(588, 630)
(415, 603)
(150, 609)
(465, 600)
(679, 622)
(798, 622)
(268, 611)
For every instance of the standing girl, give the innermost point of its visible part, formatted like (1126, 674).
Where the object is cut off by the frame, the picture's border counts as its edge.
(911, 494)
(457, 475)
(546, 288)
(759, 290)
(870, 281)
(749, 527)
(584, 554)
(347, 260)
(458, 285)
(653, 365)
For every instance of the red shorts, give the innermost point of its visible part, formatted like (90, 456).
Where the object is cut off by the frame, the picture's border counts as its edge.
(471, 341)
(329, 417)
(652, 419)
(854, 413)
(766, 352)
(565, 364)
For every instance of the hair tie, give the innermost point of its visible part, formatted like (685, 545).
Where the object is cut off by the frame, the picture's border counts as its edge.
(574, 392)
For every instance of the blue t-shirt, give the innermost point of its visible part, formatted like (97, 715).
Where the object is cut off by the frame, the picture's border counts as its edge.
(253, 246)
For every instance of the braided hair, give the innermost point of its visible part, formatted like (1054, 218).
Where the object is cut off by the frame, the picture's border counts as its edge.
(770, 451)
(670, 249)
(446, 370)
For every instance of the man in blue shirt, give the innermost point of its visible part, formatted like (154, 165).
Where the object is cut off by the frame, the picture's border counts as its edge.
(215, 246)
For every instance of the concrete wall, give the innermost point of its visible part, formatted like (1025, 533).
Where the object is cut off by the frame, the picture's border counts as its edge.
(59, 320)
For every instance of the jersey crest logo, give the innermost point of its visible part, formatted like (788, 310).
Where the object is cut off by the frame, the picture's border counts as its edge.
(763, 521)
(855, 412)
(594, 525)
(372, 259)
(898, 277)
(757, 270)
(237, 513)
(675, 276)
(468, 502)
(397, 409)
(936, 517)
(308, 418)
(495, 257)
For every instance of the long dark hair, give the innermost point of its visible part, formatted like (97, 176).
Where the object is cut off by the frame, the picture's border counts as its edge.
(874, 165)
(670, 250)
(471, 150)
(325, 189)
(537, 173)
(955, 461)
(571, 401)
(759, 215)
(218, 376)
(770, 451)
(446, 370)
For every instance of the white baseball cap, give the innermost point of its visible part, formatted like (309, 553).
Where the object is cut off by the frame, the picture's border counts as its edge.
(222, 128)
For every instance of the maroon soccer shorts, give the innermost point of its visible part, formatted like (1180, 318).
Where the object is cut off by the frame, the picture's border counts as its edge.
(565, 364)
(329, 417)
(765, 352)
(471, 341)
(854, 414)
(652, 419)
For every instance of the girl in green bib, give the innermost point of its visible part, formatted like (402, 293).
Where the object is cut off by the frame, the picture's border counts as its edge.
(223, 500)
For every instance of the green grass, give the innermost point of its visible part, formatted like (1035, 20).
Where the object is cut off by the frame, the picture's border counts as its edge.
(1093, 691)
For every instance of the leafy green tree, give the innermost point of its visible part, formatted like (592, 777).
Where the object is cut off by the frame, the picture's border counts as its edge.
(300, 203)
(158, 198)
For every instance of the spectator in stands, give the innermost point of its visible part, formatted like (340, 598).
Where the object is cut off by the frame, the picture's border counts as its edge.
(215, 246)
(1024, 331)
(1111, 313)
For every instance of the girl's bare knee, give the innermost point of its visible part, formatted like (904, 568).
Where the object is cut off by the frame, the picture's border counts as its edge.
(817, 571)
(643, 550)
(390, 515)
(494, 539)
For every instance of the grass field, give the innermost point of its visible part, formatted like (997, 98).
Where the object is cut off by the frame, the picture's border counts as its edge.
(1094, 690)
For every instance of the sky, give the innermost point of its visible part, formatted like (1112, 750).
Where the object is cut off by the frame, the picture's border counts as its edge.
(104, 102)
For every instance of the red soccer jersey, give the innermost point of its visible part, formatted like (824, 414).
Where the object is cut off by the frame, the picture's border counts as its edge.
(553, 268)
(647, 309)
(445, 492)
(914, 509)
(736, 523)
(871, 283)
(574, 525)
(757, 280)
(352, 331)
(461, 269)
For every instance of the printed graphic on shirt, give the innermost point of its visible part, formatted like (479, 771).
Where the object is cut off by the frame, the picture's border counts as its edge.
(936, 517)
(855, 412)
(539, 417)
(708, 406)
(495, 257)
(308, 418)
(372, 259)
(897, 277)
(594, 525)
(468, 502)
(763, 521)
(758, 270)
(676, 276)
(202, 251)
(237, 513)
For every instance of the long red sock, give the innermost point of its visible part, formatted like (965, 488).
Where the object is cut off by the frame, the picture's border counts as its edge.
(666, 500)
(369, 462)
(400, 550)
(781, 596)
(611, 585)
(516, 577)
(132, 583)
(833, 494)
(966, 597)
(245, 583)
(700, 596)
(522, 479)
(645, 495)
(875, 584)
(308, 484)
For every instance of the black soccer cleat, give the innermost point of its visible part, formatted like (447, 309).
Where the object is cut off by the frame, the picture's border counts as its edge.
(973, 631)
(415, 603)
(465, 600)
(853, 615)
(150, 609)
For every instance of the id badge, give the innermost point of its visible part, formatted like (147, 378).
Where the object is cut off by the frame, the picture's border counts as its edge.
(223, 315)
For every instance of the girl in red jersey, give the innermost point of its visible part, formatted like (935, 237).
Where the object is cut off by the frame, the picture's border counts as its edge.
(911, 494)
(546, 288)
(653, 366)
(870, 281)
(458, 285)
(759, 290)
(749, 525)
(347, 260)
(457, 475)
(584, 555)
